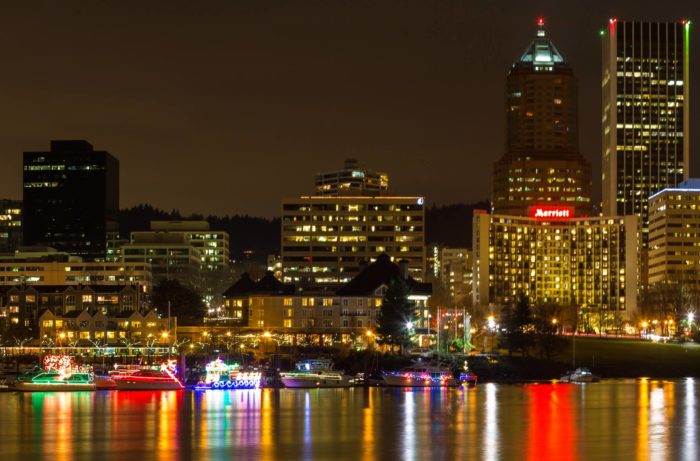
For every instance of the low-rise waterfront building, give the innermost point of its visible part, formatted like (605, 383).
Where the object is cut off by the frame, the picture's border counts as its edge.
(22, 304)
(349, 312)
(90, 327)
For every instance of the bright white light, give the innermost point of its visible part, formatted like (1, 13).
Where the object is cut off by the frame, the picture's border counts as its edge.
(691, 317)
(491, 322)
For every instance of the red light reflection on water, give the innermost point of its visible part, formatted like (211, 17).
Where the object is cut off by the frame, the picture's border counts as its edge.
(551, 433)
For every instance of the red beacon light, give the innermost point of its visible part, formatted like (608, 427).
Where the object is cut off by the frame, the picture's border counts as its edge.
(540, 21)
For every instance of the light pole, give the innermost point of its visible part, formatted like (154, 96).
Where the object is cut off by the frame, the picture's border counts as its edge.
(492, 326)
(369, 335)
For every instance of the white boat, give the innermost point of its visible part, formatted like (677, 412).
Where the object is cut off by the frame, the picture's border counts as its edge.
(580, 375)
(315, 374)
(54, 381)
(149, 380)
(420, 376)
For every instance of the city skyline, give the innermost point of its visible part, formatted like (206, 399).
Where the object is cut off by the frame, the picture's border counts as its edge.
(403, 90)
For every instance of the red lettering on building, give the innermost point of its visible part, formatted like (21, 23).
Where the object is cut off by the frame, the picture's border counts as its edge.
(551, 212)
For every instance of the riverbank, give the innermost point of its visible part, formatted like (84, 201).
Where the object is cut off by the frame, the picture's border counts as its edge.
(606, 357)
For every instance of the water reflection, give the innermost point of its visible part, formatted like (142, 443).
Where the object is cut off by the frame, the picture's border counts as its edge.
(641, 419)
(490, 439)
(690, 448)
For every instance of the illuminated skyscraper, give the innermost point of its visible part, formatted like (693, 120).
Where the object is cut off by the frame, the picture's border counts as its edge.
(645, 113)
(542, 164)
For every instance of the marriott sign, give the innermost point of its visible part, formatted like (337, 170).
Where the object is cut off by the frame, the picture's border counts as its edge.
(551, 212)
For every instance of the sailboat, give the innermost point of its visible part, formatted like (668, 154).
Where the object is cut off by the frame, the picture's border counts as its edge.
(579, 375)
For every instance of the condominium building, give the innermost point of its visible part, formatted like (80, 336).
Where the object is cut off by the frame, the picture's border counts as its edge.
(674, 234)
(170, 255)
(213, 245)
(10, 225)
(34, 272)
(586, 263)
(86, 328)
(352, 180)
(23, 304)
(327, 240)
(456, 274)
(350, 311)
(646, 109)
(542, 164)
(46, 266)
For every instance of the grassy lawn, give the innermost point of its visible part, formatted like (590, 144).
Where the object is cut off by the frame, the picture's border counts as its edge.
(633, 358)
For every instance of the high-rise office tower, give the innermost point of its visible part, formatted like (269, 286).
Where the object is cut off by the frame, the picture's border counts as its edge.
(71, 197)
(352, 180)
(542, 164)
(645, 113)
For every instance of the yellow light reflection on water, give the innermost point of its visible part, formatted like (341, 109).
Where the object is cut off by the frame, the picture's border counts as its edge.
(643, 420)
(267, 447)
(656, 428)
(368, 443)
(490, 434)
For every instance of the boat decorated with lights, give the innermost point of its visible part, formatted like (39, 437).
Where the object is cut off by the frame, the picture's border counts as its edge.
(163, 379)
(420, 376)
(315, 373)
(219, 375)
(61, 374)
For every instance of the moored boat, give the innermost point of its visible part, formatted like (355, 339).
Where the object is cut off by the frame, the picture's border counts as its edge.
(53, 380)
(219, 375)
(580, 375)
(316, 373)
(467, 378)
(420, 376)
(163, 379)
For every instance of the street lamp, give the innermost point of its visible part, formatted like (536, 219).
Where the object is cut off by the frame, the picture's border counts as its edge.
(491, 322)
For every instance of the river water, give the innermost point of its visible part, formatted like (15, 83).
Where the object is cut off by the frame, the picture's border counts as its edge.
(620, 420)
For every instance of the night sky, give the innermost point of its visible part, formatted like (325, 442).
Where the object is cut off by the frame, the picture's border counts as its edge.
(226, 106)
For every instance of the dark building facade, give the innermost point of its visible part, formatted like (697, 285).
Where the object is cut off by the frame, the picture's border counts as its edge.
(542, 164)
(71, 198)
(646, 109)
(10, 225)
